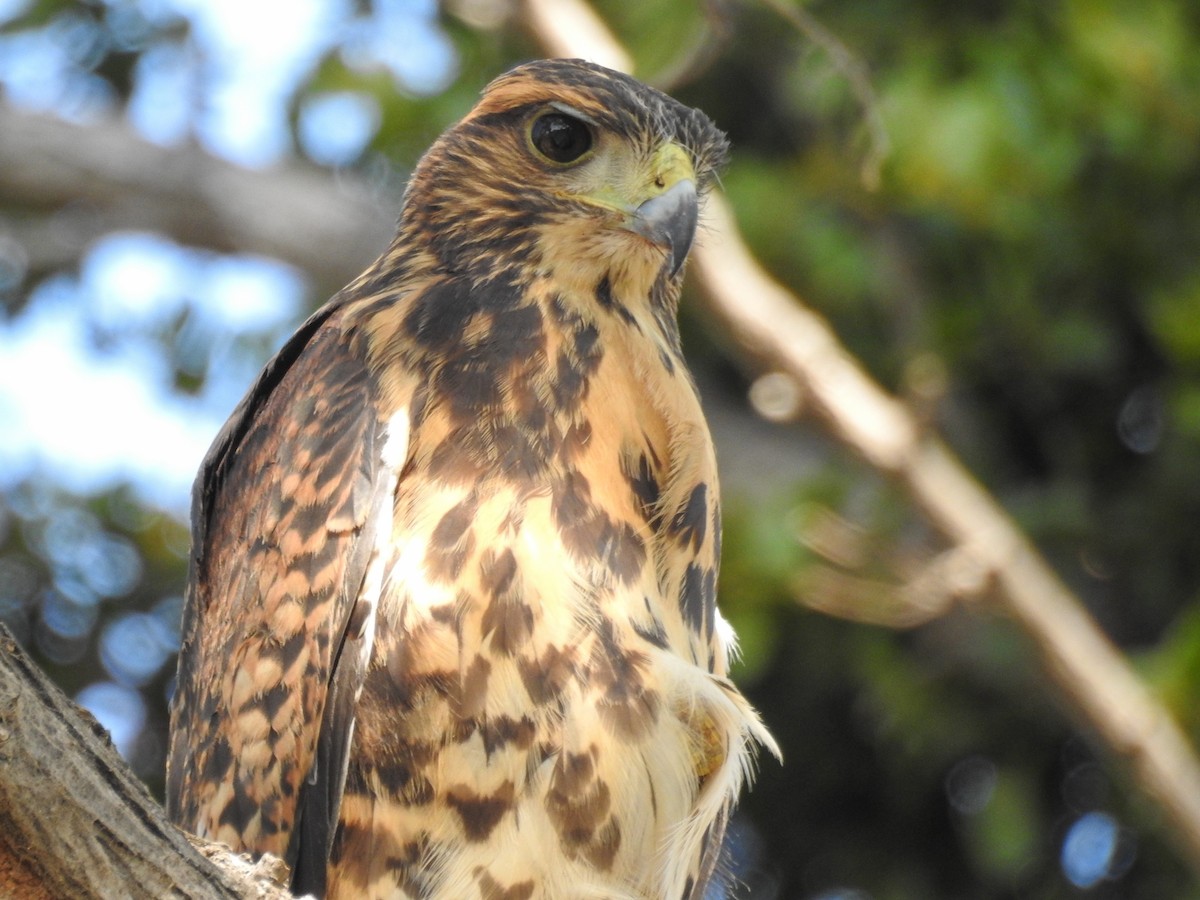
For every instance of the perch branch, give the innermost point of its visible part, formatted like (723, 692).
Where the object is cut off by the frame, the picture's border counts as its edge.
(76, 822)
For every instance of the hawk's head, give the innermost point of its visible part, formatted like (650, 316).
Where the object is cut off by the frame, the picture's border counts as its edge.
(569, 170)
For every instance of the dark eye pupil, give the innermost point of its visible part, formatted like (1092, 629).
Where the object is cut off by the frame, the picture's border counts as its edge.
(561, 138)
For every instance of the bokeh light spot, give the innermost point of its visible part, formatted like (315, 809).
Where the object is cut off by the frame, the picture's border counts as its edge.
(134, 647)
(111, 565)
(971, 784)
(169, 613)
(121, 710)
(1141, 419)
(1096, 849)
(66, 616)
(776, 397)
(65, 533)
(335, 128)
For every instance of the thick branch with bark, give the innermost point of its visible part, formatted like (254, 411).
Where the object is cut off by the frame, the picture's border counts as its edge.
(76, 822)
(776, 332)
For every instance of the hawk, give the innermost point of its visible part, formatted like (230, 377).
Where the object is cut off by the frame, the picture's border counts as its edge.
(450, 628)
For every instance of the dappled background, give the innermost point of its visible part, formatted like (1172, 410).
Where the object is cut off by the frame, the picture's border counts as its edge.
(1025, 274)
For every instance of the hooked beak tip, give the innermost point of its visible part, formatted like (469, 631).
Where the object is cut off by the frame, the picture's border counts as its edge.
(669, 220)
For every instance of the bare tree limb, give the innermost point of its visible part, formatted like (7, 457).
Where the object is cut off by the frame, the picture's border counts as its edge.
(76, 822)
(571, 28)
(103, 177)
(778, 333)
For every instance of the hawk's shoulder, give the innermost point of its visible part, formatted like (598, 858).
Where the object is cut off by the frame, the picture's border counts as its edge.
(285, 510)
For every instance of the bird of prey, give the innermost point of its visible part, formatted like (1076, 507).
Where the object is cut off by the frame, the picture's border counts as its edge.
(450, 628)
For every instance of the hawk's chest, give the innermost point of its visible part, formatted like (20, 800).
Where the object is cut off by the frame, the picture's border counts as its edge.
(559, 469)
(549, 589)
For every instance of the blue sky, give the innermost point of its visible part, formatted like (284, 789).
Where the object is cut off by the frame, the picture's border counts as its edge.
(83, 380)
(90, 367)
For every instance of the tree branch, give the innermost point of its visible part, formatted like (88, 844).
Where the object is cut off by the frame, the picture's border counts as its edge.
(778, 333)
(103, 177)
(76, 822)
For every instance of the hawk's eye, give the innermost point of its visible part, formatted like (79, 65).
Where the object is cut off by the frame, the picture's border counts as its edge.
(560, 138)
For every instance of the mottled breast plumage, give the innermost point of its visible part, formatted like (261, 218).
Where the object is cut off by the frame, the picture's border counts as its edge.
(451, 627)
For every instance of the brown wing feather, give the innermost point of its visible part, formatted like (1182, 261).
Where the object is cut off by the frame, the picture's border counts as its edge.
(283, 514)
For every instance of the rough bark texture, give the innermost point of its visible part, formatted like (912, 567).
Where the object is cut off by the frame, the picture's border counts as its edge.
(75, 822)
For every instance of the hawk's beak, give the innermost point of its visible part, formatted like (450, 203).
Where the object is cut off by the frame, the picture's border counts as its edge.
(668, 216)
(669, 220)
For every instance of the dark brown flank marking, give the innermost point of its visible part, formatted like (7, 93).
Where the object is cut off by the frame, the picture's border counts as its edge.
(654, 633)
(690, 522)
(452, 540)
(499, 732)
(491, 889)
(698, 598)
(589, 533)
(636, 467)
(480, 814)
(546, 676)
(579, 805)
(627, 704)
(472, 699)
(507, 618)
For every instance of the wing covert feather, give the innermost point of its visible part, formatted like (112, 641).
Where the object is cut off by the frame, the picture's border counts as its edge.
(285, 510)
